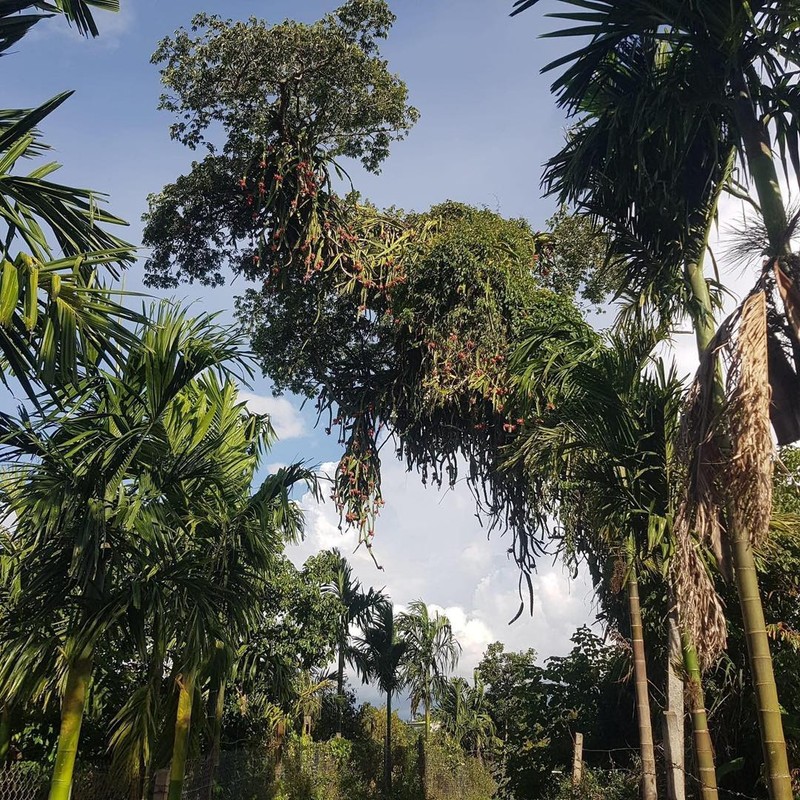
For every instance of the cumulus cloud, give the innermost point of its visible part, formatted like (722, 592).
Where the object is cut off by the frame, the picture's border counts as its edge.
(285, 417)
(431, 547)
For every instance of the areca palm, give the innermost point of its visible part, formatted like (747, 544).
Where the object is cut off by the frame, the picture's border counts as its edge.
(463, 715)
(356, 607)
(380, 653)
(723, 84)
(227, 539)
(81, 565)
(55, 317)
(431, 652)
(601, 455)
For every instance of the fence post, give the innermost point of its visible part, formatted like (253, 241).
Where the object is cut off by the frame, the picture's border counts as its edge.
(161, 784)
(577, 760)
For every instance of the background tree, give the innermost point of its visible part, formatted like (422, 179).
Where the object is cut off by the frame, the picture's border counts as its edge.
(355, 606)
(380, 658)
(431, 652)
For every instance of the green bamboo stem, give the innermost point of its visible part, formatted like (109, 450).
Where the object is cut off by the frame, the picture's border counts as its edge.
(647, 750)
(5, 733)
(79, 674)
(183, 722)
(761, 166)
(340, 691)
(703, 748)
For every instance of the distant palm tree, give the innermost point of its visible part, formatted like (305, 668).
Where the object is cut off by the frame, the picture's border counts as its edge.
(463, 715)
(356, 606)
(431, 652)
(379, 655)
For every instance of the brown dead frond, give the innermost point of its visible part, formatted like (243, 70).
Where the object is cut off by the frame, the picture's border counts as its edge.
(748, 470)
(726, 445)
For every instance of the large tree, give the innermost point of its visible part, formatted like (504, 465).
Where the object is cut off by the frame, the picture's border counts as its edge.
(718, 81)
(82, 564)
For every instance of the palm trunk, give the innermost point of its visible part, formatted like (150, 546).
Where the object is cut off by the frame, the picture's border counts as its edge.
(761, 166)
(183, 722)
(649, 791)
(340, 693)
(769, 711)
(387, 754)
(5, 733)
(79, 674)
(427, 721)
(703, 748)
(674, 736)
(217, 702)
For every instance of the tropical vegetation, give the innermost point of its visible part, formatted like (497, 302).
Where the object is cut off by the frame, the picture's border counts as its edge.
(156, 636)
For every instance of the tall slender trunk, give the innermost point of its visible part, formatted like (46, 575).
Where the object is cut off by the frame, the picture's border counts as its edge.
(216, 709)
(340, 692)
(183, 722)
(674, 744)
(703, 748)
(769, 711)
(387, 753)
(761, 166)
(79, 674)
(646, 748)
(5, 733)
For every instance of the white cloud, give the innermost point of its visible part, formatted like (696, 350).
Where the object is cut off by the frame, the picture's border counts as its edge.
(284, 416)
(431, 547)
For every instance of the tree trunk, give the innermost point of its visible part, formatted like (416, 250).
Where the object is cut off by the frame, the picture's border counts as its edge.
(340, 693)
(79, 674)
(387, 754)
(649, 791)
(703, 748)
(674, 746)
(761, 166)
(183, 722)
(769, 711)
(5, 733)
(217, 702)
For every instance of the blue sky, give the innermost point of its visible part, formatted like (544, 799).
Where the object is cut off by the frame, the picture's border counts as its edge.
(487, 124)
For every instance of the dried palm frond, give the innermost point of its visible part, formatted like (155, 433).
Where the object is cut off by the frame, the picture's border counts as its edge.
(748, 471)
(727, 446)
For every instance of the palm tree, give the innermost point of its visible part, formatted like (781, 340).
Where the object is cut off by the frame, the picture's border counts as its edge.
(601, 454)
(431, 652)
(463, 715)
(719, 79)
(55, 317)
(83, 565)
(380, 656)
(356, 608)
(227, 540)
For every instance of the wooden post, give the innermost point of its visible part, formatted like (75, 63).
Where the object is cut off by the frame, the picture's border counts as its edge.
(577, 760)
(161, 784)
